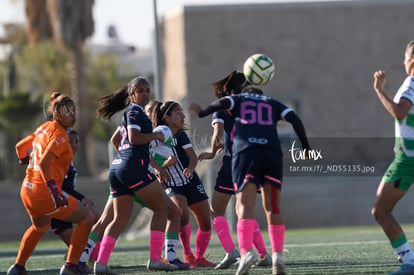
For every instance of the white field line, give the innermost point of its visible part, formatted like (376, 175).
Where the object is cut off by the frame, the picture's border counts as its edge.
(55, 255)
(286, 246)
(336, 243)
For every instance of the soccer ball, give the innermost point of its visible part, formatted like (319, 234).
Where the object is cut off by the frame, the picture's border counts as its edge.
(166, 131)
(259, 69)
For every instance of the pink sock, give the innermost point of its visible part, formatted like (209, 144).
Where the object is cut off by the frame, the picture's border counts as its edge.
(95, 252)
(202, 240)
(185, 235)
(156, 243)
(107, 246)
(223, 233)
(258, 242)
(277, 237)
(245, 229)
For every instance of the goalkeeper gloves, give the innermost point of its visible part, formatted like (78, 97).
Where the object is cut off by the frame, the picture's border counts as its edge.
(58, 198)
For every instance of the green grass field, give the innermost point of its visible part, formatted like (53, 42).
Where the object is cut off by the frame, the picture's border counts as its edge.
(345, 250)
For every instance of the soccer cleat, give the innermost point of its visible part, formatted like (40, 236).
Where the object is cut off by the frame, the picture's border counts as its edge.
(164, 260)
(203, 262)
(91, 264)
(404, 270)
(264, 261)
(228, 260)
(180, 264)
(189, 258)
(99, 269)
(161, 266)
(246, 261)
(278, 264)
(84, 268)
(69, 269)
(17, 269)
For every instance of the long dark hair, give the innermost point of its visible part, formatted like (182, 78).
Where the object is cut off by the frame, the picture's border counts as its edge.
(110, 104)
(160, 110)
(231, 84)
(58, 100)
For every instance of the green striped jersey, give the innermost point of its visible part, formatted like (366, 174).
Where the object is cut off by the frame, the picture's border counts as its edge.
(404, 129)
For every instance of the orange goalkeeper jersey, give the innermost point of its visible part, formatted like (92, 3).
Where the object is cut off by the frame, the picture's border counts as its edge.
(50, 136)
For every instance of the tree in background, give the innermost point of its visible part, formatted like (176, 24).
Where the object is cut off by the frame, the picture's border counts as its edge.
(18, 107)
(69, 23)
(16, 111)
(41, 67)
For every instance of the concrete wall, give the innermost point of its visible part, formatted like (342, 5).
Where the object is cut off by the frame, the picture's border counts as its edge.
(325, 55)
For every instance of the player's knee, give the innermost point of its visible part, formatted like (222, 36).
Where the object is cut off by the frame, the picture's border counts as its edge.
(379, 213)
(41, 228)
(216, 211)
(162, 208)
(89, 219)
(96, 215)
(375, 213)
(175, 212)
(184, 220)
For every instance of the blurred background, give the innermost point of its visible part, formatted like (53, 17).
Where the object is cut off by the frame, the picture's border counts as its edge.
(325, 53)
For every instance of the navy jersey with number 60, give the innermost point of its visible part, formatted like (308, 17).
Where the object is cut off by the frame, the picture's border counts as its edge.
(255, 118)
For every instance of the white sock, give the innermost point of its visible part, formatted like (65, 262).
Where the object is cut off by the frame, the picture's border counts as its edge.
(87, 251)
(405, 253)
(171, 249)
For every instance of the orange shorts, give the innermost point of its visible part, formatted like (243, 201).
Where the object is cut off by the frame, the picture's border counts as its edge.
(38, 202)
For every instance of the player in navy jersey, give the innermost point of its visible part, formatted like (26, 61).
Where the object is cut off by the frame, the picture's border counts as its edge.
(257, 162)
(129, 173)
(63, 228)
(185, 187)
(223, 124)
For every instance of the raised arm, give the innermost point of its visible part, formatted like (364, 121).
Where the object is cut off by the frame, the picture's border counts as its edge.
(220, 104)
(397, 110)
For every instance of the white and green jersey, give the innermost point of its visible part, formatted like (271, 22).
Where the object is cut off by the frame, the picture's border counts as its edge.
(404, 129)
(161, 151)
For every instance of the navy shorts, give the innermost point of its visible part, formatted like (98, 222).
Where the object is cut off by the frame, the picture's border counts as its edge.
(58, 226)
(125, 180)
(193, 191)
(224, 181)
(257, 165)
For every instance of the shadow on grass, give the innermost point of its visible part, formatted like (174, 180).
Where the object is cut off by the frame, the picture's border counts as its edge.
(63, 251)
(339, 267)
